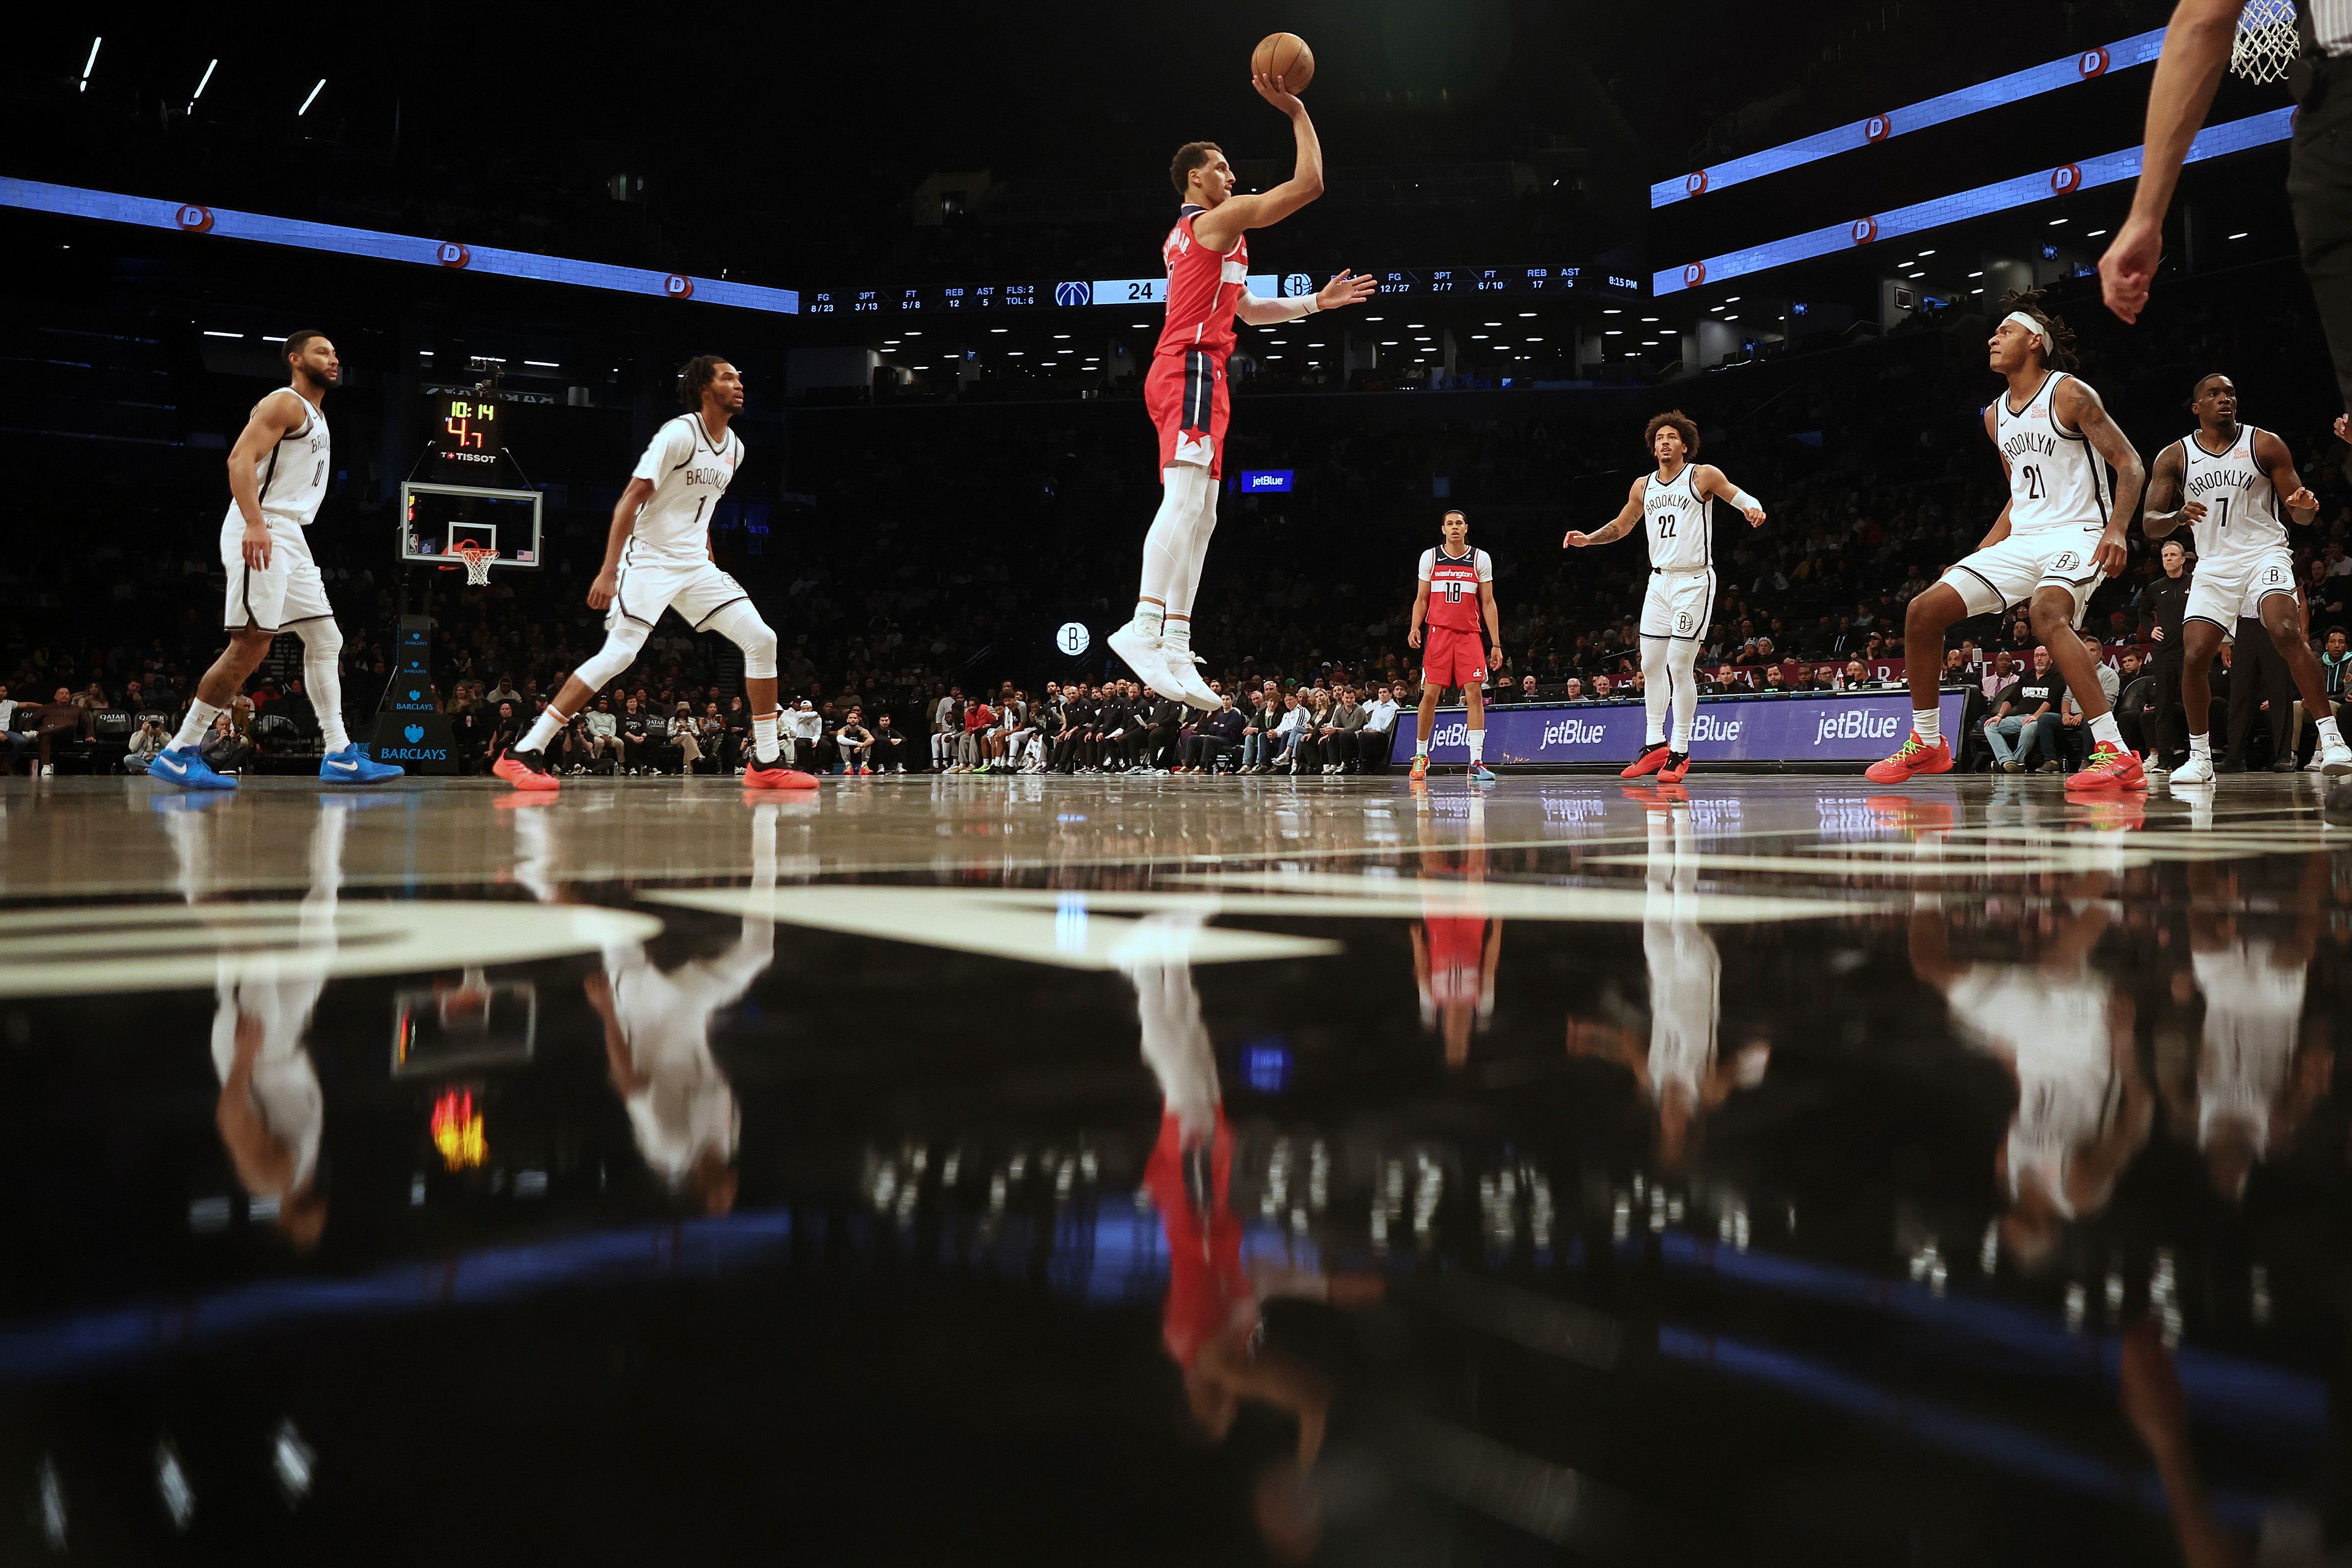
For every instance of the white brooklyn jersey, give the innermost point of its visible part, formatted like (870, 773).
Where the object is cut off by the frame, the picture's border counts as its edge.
(2056, 479)
(2053, 1029)
(690, 473)
(1680, 523)
(293, 477)
(2241, 514)
(2254, 1010)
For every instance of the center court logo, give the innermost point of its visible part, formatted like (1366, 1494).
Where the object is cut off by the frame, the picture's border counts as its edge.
(1856, 724)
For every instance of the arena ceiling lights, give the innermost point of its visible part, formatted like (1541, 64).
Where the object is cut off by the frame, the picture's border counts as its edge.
(1999, 93)
(2044, 184)
(189, 217)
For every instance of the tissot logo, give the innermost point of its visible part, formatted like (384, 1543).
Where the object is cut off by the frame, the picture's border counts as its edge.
(1856, 724)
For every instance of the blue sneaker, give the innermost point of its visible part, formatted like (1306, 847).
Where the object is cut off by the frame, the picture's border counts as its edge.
(351, 765)
(187, 769)
(1480, 775)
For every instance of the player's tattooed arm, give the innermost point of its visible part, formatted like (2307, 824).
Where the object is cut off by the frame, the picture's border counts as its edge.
(2165, 511)
(273, 419)
(1615, 529)
(2080, 407)
(2272, 458)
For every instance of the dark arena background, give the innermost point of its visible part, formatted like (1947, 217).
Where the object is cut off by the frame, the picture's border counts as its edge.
(485, 1090)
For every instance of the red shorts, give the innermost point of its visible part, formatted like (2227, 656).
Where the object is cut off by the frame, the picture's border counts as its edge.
(1187, 399)
(1449, 658)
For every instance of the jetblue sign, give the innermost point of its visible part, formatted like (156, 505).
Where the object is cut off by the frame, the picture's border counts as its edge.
(1824, 729)
(1266, 482)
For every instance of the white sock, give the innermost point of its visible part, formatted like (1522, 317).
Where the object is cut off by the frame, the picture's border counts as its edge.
(1421, 747)
(2203, 745)
(763, 739)
(2328, 735)
(1477, 745)
(544, 729)
(194, 729)
(2106, 731)
(1150, 617)
(1928, 724)
(1176, 640)
(1682, 667)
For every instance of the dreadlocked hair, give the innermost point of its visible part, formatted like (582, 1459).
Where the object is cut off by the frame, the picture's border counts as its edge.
(2057, 338)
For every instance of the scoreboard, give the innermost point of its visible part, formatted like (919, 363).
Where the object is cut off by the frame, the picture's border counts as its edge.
(1431, 283)
(467, 433)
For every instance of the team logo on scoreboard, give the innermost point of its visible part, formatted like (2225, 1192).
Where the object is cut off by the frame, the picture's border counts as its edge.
(1865, 230)
(194, 219)
(1877, 128)
(1694, 182)
(1695, 274)
(2065, 177)
(449, 253)
(679, 285)
(1074, 293)
(2093, 63)
(1298, 284)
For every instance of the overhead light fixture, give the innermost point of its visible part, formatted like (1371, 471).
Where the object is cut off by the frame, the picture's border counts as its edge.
(1731, 318)
(910, 335)
(1389, 343)
(1000, 329)
(1143, 326)
(1613, 310)
(312, 99)
(2094, 233)
(544, 364)
(1649, 321)
(267, 338)
(1526, 315)
(201, 85)
(1014, 353)
(1976, 274)
(1612, 332)
(1976, 290)
(1731, 298)
(210, 334)
(1477, 337)
(1414, 326)
(2240, 234)
(2056, 221)
(1927, 253)
(1376, 318)
(87, 64)
(1535, 340)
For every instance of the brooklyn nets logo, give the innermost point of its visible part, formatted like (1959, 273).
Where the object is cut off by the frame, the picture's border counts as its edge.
(1682, 624)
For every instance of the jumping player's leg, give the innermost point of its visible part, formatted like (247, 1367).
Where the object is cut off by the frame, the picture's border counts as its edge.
(2200, 641)
(2279, 619)
(1187, 503)
(1176, 639)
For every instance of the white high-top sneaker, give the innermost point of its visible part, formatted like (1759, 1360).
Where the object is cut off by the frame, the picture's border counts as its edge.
(2196, 769)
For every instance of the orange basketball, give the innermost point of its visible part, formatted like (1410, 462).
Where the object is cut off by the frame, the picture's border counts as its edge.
(1285, 54)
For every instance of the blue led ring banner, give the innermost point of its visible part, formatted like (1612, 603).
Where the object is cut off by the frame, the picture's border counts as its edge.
(189, 217)
(2043, 184)
(1998, 93)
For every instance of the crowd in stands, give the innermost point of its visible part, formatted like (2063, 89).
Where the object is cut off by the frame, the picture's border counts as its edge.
(944, 546)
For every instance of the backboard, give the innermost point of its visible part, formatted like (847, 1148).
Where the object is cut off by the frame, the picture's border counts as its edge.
(435, 519)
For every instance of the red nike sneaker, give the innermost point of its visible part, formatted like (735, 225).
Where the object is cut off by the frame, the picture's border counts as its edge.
(525, 770)
(1651, 760)
(2109, 767)
(1677, 768)
(775, 775)
(1916, 757)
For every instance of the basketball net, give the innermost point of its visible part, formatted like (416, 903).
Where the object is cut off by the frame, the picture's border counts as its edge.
(2266, 42)
(477, 559)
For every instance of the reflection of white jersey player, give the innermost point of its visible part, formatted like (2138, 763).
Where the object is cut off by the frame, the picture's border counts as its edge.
(2254, 1010)
(2058, 502)
(1685, 968)
(2052, 1030)
(2241, 549)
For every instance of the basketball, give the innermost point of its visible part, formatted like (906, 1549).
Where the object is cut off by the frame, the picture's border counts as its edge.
(1285, 54)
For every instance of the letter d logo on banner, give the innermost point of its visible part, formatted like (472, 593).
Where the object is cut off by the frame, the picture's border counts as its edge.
(194, 219)
(1695, 182)
(1877, 128)
(2064, 178)
(679, 285)
(1695, 274)
(449, 253)
(2093, 63)
(1865, 230)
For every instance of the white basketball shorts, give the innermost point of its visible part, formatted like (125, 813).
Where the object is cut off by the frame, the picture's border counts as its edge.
(2010, 572)
(697, 592)
(1678, 604)
(285, 594)
(2226, 587)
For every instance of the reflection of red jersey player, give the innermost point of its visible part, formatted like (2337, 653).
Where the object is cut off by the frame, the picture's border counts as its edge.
(1207, 255)
(1456, 592)
(1456, 947)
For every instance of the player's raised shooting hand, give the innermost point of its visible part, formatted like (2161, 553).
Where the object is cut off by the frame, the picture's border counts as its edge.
(2129, 265)
(1270, 87)
(256, 546)
(600, 591)
(1347, 289)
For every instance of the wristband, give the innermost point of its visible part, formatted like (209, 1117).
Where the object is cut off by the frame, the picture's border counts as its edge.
(1743, 500)
(1314, 303)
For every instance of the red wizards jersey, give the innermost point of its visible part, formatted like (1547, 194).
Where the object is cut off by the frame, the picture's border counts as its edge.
(1454, 587)
(1203, 287)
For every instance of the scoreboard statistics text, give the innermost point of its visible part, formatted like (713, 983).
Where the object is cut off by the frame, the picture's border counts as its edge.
(1428, 283)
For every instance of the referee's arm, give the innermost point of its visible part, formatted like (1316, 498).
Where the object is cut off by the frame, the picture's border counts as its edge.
(2196, 48)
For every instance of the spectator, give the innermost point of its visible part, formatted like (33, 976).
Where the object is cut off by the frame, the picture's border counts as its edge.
(890, 747)
(711, 734)
(603, 732)
(638, 739)
(507, 730)
(1528, 693)
(1601, 689)
(1339, 742)
(803, 727)
(1376, 743)
(1999, 675)
(61, 715)
(1573, 691)
(1286, 732)
(149, 740)
(979, 719)
(2037, 696)
(1219, 737)
(683, 735)
(226, 750)
(856, 743)
(947, 728)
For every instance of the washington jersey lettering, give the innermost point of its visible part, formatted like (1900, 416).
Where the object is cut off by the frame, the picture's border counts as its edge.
(294, 475)
(2242, 515)
(690, 474)
(1203, 287)
(1454, 587)
(1680, 523)
(2056, 479)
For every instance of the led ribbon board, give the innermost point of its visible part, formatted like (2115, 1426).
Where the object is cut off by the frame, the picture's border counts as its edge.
(1998, 93)
(189, 217)
(2214, 142)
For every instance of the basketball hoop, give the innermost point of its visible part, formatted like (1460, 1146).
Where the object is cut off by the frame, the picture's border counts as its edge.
(465, 1007)
(477, 559)
(2267, 41)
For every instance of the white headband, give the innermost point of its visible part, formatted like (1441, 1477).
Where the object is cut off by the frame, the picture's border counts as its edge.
(2032, 327)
